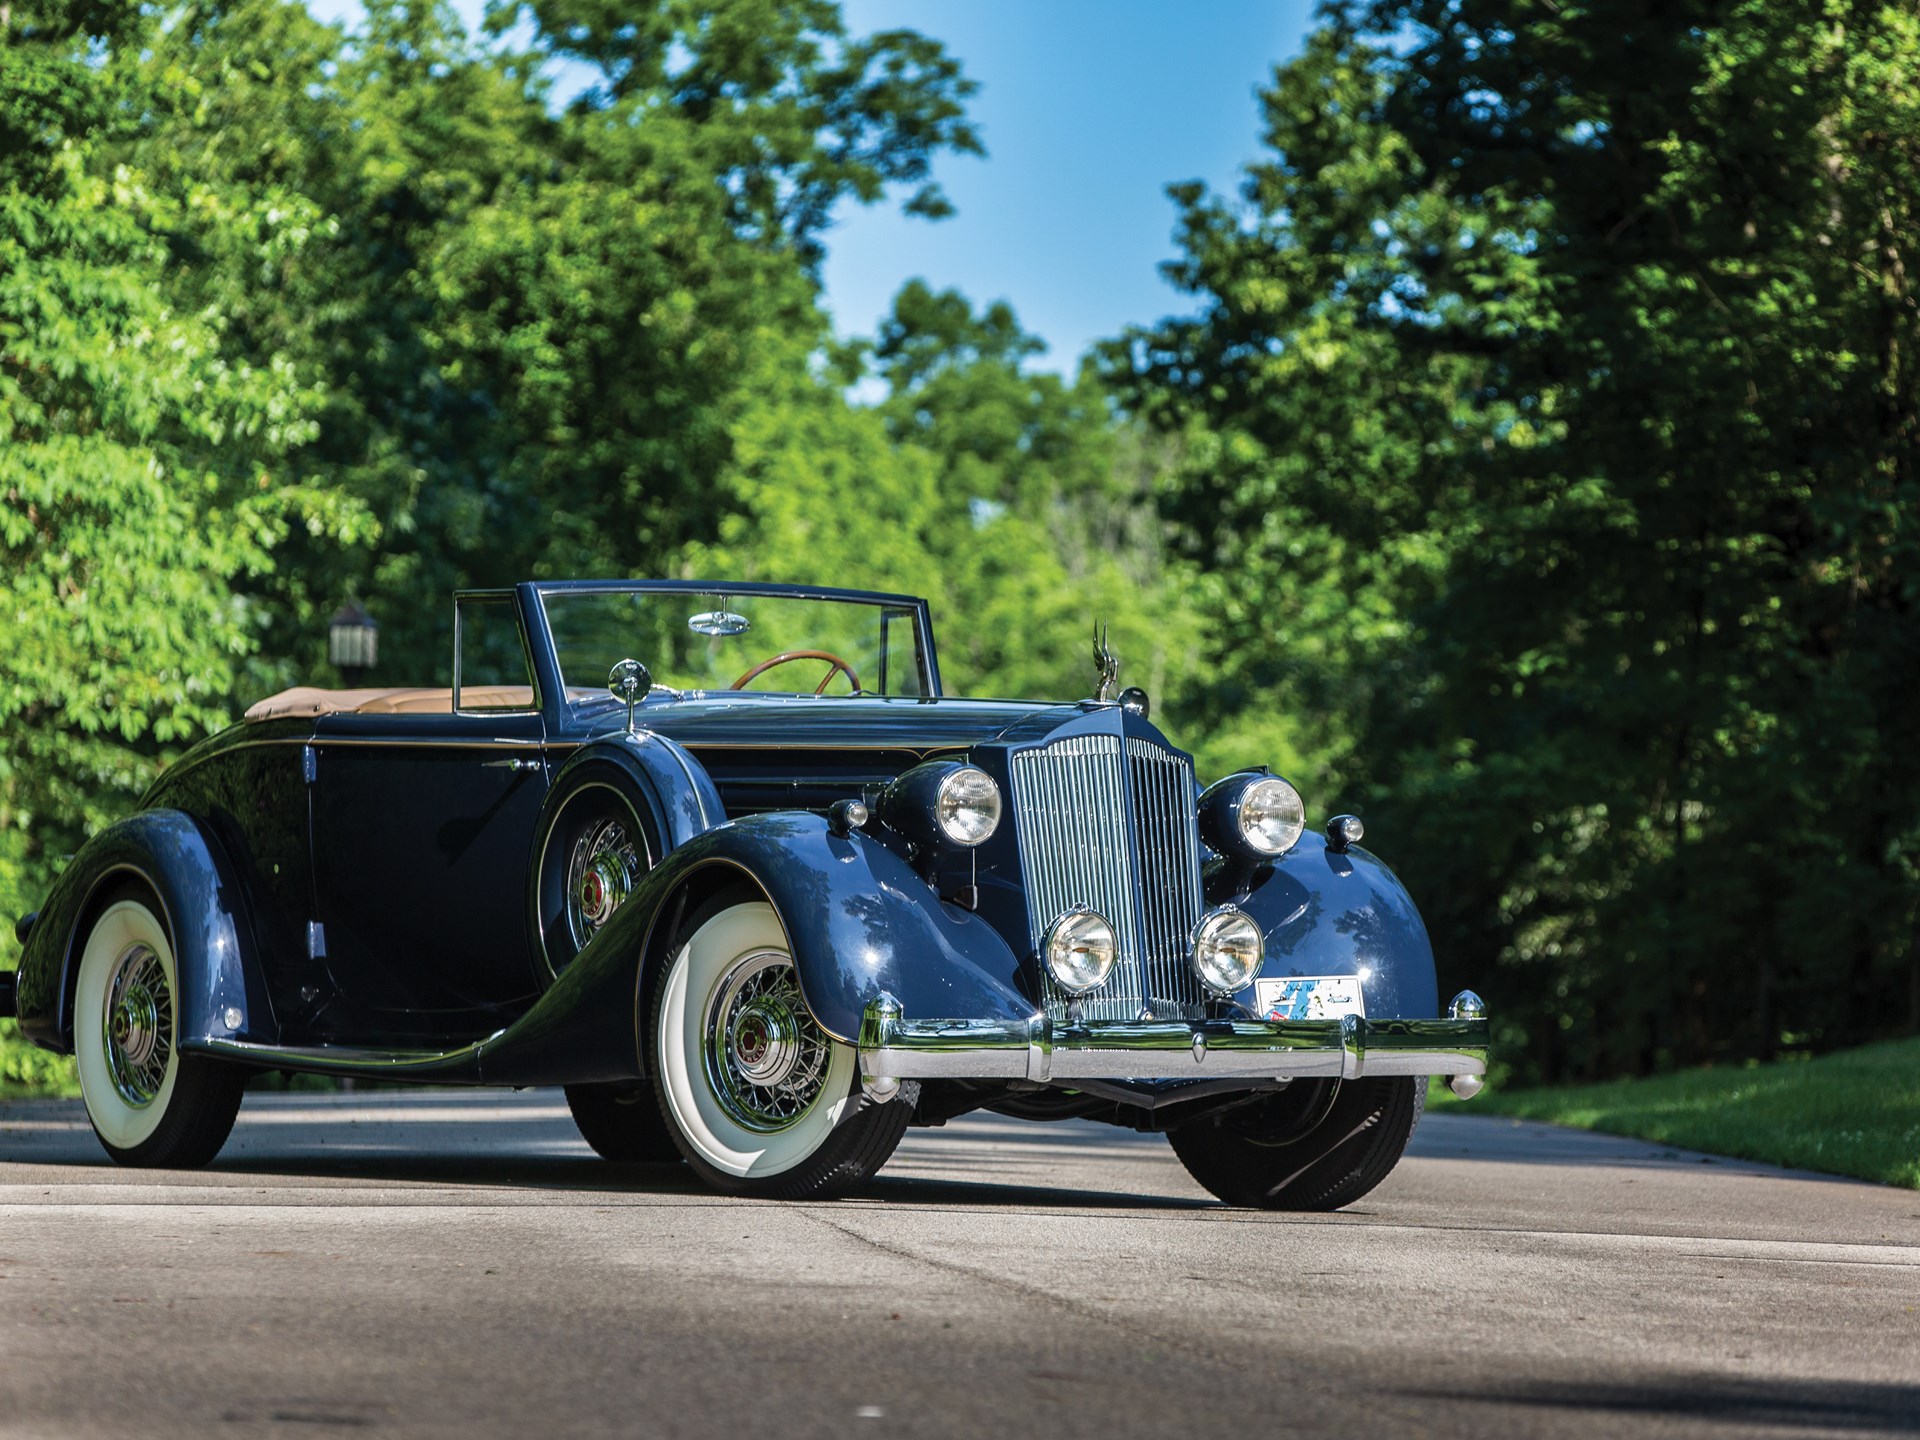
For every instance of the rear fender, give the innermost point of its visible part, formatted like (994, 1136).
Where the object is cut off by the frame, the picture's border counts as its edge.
(174, 857)
(1328, 912)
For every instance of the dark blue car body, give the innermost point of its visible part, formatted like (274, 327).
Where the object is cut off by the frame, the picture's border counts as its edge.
(357, 891)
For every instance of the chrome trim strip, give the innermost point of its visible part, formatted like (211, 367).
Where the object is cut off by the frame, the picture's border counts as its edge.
(1038, 1049)
(336, 1059)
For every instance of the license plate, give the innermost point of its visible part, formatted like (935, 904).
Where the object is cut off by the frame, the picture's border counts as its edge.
(1309, 997)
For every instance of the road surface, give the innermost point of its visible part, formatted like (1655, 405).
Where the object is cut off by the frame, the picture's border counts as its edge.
(449, 1263)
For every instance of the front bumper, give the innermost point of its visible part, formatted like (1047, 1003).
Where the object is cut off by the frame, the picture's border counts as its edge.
(893, 1048)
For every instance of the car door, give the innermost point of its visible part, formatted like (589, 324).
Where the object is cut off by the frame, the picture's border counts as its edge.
(422, 822)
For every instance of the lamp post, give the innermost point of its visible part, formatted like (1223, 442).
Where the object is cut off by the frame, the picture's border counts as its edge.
(353, 643)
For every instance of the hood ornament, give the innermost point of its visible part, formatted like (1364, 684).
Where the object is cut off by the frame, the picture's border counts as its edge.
(1105, 663)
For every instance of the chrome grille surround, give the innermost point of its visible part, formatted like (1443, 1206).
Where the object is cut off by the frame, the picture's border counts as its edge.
(1108, 821)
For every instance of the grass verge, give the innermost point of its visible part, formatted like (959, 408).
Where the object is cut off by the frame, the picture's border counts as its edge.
(1853, 1113)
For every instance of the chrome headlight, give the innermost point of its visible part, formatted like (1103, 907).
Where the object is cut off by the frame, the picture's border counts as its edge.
(943, 802)
(1252, 815)
(967, 806)
(1080, 949)
(1227, 950)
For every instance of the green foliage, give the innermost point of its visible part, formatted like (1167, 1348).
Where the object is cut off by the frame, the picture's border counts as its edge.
(1852, 1113)
(1043, 515)
(27, 1070)
(143, 474)
(1558, 367)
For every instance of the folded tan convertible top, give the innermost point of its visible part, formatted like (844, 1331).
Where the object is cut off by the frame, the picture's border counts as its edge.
(310, 700)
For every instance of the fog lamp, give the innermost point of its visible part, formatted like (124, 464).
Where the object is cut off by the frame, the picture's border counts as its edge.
(1227, 950)
(1080, 949)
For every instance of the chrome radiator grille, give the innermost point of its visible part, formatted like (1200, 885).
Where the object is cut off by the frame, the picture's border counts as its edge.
(1109, 823)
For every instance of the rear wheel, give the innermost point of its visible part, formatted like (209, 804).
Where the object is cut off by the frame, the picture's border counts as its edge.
(760, 1099)
(149, 1104)
(623, 1122)
(1317, 1145)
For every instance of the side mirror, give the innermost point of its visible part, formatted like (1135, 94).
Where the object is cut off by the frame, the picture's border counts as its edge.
(629, 682)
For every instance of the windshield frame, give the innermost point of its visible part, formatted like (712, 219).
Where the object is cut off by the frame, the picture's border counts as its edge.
(546, 652)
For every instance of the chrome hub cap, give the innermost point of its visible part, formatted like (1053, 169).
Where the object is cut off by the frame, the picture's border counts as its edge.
(139, 1026)
(766, 1058)
(602, 870)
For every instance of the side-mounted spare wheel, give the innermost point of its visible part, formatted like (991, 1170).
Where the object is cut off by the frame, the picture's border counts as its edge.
(1316, 1145)
(594, 843)
(149, 1104)
(759, 1098)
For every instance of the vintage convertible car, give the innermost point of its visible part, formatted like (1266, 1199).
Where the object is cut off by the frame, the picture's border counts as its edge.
(761, 929)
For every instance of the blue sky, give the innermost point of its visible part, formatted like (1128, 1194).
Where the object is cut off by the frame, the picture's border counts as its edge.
(1089, 109)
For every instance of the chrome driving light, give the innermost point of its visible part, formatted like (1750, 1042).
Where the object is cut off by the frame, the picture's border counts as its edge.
(967, 807)
(1080, 949)
(1271, 816)
(1252, 815)
(1227, 949)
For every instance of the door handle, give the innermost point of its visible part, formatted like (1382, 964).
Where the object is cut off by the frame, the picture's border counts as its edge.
(516, 765)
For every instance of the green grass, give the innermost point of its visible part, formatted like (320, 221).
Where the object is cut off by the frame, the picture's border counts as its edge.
(1854, 1113)
(26, 1070)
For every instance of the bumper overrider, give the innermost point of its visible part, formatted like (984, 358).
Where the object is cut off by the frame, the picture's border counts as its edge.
(894, 1048)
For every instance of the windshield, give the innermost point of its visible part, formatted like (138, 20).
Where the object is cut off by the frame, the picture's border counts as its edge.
(713, 640)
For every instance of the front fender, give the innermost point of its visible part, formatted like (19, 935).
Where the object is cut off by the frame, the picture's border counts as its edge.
(213, 945)
(859, 922)
(1327, 912)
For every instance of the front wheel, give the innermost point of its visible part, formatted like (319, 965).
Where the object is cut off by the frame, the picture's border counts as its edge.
(149, 1104)
(1317, 1145)
(759, 1098)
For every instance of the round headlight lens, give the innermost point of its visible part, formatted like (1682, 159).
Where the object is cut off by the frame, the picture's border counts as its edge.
(1081, 949)
(1271, 816)
(968, 806)
(1227, 950)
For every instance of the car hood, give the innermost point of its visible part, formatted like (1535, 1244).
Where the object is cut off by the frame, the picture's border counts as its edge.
(849, 722)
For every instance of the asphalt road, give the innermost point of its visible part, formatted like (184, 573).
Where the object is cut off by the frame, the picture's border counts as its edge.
(459, 1264)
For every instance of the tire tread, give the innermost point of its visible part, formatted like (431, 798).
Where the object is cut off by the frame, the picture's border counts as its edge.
(1344, 1157)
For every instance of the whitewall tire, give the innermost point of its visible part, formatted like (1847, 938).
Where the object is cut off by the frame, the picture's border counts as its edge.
(149, 1104)
(759, 1098)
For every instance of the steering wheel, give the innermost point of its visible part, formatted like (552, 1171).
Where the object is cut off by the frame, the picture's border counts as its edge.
(834, 663)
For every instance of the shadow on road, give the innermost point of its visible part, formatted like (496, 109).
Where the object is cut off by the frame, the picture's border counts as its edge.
(476, 1142)
(1749, 1405)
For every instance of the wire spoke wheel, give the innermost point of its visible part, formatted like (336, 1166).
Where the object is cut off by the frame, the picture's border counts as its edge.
(139, 1025)
(766, 1057)
(760, 1099)
(604, 865)
(149, 1103)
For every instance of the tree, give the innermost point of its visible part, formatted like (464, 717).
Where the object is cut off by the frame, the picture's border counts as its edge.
(1042, 518)
(143, 474)
(533, 326)
(1573, 348)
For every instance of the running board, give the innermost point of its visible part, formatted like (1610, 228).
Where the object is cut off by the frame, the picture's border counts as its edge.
(424, 1067)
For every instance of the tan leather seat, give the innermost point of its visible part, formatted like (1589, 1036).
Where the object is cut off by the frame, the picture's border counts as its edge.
(310, 700)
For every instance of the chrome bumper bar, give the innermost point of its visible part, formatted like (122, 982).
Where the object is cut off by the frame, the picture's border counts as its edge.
(893, 1048)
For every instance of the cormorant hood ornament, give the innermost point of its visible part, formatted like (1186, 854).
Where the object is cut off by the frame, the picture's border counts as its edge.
(1106, 664)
